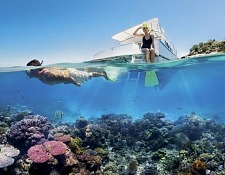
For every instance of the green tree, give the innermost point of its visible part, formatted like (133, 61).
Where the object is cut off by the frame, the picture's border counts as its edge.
(204, 48)
(194, 48)
(209, 42)
(201, 44)
(223, 48)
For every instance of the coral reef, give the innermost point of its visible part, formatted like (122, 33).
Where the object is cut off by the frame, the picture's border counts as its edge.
(115, 144)
(61, 137)
(62, 159)
(46, 151)
(132, 166)
(76, 145)
(7, 154)
(81, 122)
(31, 130)
(55, 147)
(93, 163)
(38, 154)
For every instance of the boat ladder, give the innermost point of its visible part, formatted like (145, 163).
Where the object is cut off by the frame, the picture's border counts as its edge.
(131, 82)
(138, 59)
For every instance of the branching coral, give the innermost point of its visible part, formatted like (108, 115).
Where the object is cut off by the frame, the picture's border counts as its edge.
(76, 145)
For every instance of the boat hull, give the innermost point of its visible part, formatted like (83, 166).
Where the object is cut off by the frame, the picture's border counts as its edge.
(132, 53)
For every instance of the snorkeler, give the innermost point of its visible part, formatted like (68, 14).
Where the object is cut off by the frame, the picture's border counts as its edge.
(55, 75)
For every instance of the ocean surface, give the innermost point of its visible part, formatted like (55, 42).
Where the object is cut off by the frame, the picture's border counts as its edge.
(193, 85)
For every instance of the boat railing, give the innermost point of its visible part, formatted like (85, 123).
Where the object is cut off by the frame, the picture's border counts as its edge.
(117, 47)
(163, 38)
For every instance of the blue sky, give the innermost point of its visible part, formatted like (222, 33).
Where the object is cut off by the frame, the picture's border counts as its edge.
(74, 30)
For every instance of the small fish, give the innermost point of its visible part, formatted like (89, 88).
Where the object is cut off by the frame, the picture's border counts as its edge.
(179, 108)
(59, 114)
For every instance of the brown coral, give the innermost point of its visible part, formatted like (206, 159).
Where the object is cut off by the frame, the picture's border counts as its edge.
(62, 138)
(199, 165)
(93, 162)
(69, 159)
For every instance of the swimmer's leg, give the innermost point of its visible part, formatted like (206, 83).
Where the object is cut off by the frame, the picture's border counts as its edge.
(152, 55)
(93, 72)
(147, 54)
(99, 74)
(103, 74)
(73, 81)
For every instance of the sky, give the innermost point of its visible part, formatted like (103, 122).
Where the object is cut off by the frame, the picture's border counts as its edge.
(74, 30)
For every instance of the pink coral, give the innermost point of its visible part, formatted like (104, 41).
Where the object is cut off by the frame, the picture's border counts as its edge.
(55, 147)
(46, 151)
(38, 154)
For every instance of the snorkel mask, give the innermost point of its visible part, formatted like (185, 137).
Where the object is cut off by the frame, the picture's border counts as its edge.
(30, 73)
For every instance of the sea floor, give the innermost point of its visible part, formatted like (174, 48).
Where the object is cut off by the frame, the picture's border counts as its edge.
(113, 144)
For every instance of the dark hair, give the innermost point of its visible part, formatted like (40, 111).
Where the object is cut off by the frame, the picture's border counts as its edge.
(34, 63)
(30, 73)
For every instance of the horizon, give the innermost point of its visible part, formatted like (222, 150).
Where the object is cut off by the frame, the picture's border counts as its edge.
(74, 31)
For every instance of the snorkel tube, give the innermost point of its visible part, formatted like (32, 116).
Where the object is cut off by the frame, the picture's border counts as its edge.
(42, 61)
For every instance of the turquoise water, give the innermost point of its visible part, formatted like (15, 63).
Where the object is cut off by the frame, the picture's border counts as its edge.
(185, 86)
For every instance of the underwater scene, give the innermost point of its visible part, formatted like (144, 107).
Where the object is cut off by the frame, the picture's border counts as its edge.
(128, 119)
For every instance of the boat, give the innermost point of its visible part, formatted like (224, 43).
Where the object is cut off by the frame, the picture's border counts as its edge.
(129, 50)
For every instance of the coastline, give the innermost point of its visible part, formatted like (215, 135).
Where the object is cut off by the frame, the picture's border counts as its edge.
(211, 47)
(203, 55)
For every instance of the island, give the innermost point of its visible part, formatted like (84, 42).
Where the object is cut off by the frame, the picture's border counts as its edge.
(203, 48)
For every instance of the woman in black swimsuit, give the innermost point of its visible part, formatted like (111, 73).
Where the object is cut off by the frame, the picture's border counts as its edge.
(148, 46)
